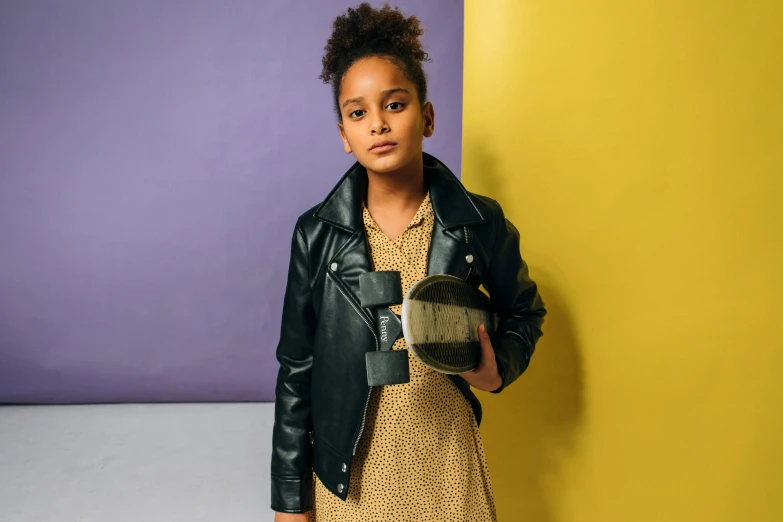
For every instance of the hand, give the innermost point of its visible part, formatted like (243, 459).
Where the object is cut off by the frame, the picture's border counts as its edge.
(291, 517)
(485, 376)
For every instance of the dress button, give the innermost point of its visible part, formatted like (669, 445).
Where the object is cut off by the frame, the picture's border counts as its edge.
(345, 468)
(469, 258)
(340, 488)
(334, 267)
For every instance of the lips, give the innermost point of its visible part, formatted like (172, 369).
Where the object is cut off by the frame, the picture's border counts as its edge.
(382, 146)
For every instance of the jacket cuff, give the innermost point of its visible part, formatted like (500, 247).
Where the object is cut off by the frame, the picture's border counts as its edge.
(502, 378)
(292, 495)
(504, 346)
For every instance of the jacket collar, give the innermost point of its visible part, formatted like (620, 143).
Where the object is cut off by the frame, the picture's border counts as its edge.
(451, 203)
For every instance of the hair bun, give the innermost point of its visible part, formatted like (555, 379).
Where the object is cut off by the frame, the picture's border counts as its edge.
(364, 30)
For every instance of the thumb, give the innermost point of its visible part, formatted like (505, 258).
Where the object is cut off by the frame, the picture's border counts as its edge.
(486, 343)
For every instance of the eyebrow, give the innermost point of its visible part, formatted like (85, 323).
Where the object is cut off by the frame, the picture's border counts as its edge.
(385, 94)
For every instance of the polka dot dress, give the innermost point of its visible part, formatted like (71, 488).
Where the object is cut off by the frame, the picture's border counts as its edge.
(420, 458)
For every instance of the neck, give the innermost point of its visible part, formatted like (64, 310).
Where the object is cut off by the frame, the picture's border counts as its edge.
(399, 189)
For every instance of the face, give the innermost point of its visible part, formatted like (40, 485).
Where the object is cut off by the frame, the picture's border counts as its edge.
(383, 123)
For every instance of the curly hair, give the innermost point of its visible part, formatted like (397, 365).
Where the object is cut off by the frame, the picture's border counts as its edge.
(364, 31)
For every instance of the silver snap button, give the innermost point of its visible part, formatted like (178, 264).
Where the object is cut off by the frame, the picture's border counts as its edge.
(333, 267)
(340, 488)
(345, 468)
(469, 258)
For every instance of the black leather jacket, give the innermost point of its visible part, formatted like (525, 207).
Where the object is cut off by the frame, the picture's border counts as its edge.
(322, 391)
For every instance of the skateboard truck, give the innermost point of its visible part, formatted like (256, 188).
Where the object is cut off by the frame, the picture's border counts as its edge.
(378, 291)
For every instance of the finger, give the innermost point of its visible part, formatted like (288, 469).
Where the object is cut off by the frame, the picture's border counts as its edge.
(486, 343)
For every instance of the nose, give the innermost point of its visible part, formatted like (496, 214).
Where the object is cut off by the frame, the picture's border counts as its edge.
(379, 125)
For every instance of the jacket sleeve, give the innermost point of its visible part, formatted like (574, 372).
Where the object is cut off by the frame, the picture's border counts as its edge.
(292, 476)
(516, 301)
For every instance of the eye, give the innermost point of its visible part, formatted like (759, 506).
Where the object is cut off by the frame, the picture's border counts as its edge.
(395, 106)
(356, 114)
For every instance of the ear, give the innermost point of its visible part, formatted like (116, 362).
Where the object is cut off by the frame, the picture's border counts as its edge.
(428, 112)
(346, 145)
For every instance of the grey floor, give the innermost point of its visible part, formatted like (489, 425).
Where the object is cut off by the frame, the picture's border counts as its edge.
(135, 462)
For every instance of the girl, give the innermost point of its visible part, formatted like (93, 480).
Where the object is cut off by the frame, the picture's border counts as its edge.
(342, 450)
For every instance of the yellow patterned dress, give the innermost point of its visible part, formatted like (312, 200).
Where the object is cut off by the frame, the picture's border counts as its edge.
(420, 458)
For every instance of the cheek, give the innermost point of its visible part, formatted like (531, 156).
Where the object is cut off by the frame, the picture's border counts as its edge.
(350, 133)
(414, 127)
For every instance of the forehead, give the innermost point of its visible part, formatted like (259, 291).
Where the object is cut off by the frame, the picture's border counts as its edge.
(369, 77)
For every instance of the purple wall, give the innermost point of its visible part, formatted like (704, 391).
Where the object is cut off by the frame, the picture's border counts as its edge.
(153, 158)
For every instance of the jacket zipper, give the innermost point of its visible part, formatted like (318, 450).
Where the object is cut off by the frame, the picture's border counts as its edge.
(355, 308)
(361, 428)
(467, 242)
(377, 347)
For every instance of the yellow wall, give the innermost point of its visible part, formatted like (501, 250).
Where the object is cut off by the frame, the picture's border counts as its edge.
(637, 146)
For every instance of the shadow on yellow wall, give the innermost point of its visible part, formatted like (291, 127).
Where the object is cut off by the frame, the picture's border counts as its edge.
(531, 426)
(547, 405)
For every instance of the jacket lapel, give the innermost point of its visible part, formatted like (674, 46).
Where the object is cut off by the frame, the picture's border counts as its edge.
(454, 212)
(448, 252)
(351, 261)
(342, 209)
